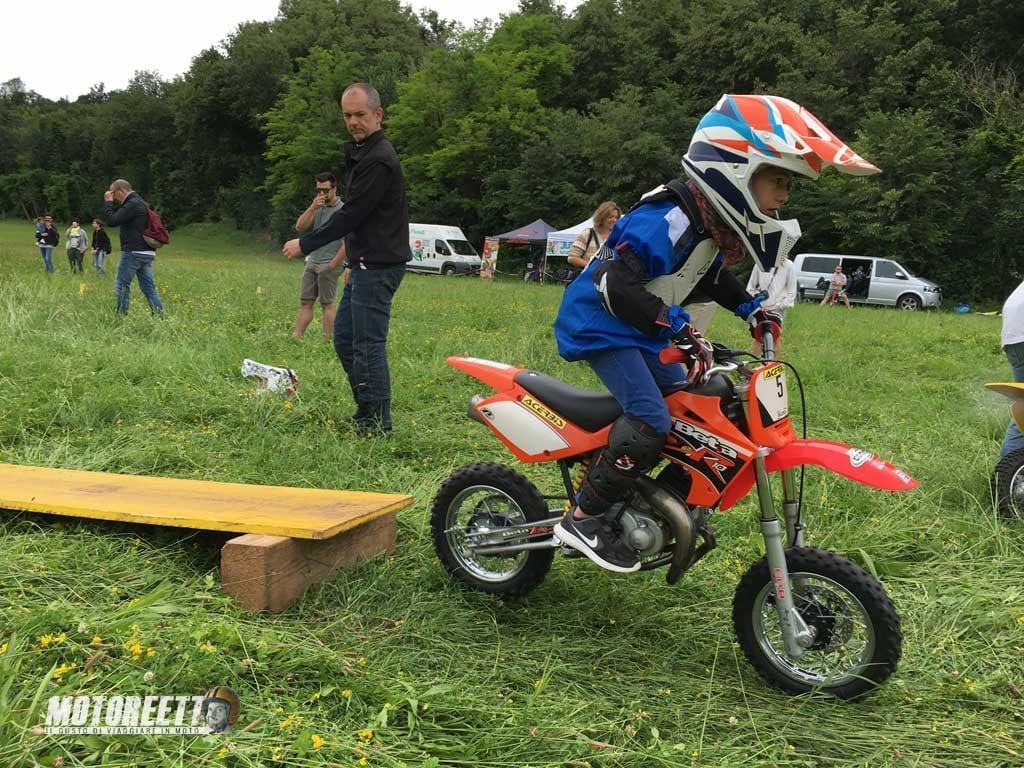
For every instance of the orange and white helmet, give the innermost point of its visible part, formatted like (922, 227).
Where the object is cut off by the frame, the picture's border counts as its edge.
(741, 135)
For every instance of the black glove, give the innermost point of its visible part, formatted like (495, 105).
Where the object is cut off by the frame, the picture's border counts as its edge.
(698, 351)
(763, 320)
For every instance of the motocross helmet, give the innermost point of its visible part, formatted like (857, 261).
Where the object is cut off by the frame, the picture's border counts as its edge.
(738, 137)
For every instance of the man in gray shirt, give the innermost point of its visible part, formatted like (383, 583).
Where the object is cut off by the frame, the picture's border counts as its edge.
(320, 277)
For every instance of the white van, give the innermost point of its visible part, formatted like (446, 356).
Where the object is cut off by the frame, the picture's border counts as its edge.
(869, 280)
(441, 250)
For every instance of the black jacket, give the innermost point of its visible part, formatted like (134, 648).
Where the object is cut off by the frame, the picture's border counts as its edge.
(48, 236)
(131, 217)
(101, 241)
(375, 218)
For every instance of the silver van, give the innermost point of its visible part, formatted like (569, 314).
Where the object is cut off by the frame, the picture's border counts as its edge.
(869, 280)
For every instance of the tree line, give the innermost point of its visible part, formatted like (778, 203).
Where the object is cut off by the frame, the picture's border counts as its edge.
(544, 113)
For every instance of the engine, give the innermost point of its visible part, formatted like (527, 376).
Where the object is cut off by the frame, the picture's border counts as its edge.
(643, 528)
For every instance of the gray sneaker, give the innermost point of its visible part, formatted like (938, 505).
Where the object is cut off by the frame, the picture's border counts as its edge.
(594, 537)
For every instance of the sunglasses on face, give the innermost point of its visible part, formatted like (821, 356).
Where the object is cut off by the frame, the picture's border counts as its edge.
(323, 190)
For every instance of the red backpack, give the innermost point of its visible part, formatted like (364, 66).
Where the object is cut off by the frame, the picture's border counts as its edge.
(155, 233)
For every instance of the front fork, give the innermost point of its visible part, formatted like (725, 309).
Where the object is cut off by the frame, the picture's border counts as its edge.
(795, 632)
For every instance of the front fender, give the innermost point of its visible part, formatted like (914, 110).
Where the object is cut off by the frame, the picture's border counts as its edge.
(845, 460)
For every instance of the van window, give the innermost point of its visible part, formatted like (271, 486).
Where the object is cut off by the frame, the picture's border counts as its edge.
(441, 247)
(462, 247)
(823, 264)
(888, 269)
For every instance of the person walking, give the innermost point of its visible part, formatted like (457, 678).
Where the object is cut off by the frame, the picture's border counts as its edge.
(375, 224)
(779, 285)
(78, 241)
(47, 239)
(100, 246)
(131, 215)
(320, 277)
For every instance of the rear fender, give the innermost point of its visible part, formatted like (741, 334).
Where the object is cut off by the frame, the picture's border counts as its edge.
(498, 376)
(852, 463)
(1016, 394)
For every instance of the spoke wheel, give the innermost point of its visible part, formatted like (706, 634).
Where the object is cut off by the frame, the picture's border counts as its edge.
(857, 640)
(476, 506)
(1008, 482)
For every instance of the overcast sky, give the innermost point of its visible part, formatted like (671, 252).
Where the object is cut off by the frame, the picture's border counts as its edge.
(61, 48)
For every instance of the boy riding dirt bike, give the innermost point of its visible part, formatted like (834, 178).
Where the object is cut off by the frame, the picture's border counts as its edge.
(739, 163)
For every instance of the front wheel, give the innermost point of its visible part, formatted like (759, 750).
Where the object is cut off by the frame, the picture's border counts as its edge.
(909, 302)
(857, 639)
(473, 508)
(1008, 483)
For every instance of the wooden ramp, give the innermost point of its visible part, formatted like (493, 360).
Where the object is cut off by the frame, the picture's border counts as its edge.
(294, 536)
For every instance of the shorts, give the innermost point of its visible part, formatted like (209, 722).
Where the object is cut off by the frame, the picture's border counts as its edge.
(319, 281)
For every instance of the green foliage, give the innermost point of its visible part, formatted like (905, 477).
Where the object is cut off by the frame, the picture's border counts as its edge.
(544, 114)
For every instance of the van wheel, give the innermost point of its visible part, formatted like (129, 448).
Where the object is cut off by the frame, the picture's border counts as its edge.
(448, 269)
(909, 302)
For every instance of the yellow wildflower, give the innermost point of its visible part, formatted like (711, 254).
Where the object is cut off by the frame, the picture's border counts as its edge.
(3, 649)
(206, 647)
(96, 640)
(45, 641)
(344, 694)
(365, 735)
(316, 741)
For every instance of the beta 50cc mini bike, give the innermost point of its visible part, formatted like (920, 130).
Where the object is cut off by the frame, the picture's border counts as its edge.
(1008, 477)
(807, 619)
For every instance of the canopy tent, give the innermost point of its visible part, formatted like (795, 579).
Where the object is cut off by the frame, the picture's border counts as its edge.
(561, 241)
(528, 237)
(529, 234)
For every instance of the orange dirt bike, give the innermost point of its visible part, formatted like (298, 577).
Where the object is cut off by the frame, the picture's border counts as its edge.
(807, 619)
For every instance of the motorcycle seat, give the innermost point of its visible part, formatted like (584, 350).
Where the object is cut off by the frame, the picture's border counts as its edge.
(589, 410)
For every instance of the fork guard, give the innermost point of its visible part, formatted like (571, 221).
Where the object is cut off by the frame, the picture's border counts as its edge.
(852, 463)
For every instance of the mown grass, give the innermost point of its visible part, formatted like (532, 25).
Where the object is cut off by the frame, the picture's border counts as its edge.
(391, 665)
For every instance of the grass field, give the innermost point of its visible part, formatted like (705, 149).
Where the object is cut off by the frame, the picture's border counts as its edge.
(390, 665)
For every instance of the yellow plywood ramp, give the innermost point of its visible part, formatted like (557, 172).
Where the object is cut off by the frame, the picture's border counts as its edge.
(300, 513)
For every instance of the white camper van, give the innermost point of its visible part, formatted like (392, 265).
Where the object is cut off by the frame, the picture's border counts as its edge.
(441, 250)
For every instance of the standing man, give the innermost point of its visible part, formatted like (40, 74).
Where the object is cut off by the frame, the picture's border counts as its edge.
(1012, 339)
(375, 224)
(780, 286)
(320, 277)
(136, 257)
(47, 238)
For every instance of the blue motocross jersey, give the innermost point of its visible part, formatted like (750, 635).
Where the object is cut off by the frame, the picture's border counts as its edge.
(660, 235)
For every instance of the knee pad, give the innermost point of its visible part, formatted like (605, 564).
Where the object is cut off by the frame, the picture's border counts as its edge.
(633, 448)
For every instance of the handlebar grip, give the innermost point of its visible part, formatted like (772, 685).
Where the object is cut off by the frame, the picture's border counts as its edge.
(671, 355)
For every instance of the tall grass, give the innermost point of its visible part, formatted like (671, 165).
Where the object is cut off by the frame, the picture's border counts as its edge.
(391, 665)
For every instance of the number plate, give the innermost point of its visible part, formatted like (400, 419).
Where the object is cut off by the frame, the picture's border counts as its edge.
(772, 392)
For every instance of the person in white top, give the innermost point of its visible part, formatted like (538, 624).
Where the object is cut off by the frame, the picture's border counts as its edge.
(780, 285)
(1012, 339)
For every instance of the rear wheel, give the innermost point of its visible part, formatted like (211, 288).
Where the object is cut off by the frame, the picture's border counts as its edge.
(473, 507)
(449, 270)
(909, 302)
(1008, 484)
(857, 639)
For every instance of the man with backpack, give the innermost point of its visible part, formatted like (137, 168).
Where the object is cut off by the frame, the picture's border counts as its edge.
(132, 216)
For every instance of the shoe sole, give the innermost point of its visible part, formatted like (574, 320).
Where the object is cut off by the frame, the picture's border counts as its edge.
(572, 540)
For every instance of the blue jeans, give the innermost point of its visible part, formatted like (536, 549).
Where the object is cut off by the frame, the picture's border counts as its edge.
(47, 253)
(360, 340)
(1013, 438)
(637, 379)
(97, 261)
(134, 263)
